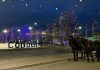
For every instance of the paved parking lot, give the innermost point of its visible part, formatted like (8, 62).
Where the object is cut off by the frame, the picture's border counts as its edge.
(66, 65)
(13, 62)
(56, 61)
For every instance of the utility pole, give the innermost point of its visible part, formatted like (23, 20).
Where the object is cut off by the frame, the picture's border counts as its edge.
(92, 28)
(86, 31)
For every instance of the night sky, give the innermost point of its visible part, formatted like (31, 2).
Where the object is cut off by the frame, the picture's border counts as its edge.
(27, 12)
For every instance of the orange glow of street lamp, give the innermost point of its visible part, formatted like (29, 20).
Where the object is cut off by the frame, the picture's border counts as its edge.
(43, 33)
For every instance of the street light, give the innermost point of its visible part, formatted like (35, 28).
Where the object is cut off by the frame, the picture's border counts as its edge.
(80, 27)
(3, 1)
(5, 31)
(18, 30)
(35, 23)
(43, 33)
(81, 0)
(30, 28)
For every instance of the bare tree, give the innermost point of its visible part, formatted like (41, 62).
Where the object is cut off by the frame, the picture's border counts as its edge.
(65, 26)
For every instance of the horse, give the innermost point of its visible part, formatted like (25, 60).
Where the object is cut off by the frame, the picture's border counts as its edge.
(75, 44)
(87, 49)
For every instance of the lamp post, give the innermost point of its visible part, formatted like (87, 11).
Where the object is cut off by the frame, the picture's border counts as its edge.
(5, 31)
(79, 29)
(86, 31)
(37, 34)
(35, 23)
(43, 37)
(30, 28)
(93, 27)
(18, 30)
(81, 0)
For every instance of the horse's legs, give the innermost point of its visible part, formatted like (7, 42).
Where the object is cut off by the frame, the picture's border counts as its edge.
(84, 53)
(92, 56)
(76, 55)
(81, 54)
(87, 54)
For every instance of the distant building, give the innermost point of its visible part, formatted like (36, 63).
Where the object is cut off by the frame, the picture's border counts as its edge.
(95, 37)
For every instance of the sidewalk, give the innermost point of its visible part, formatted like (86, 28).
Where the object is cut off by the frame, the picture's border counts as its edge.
(13, 61)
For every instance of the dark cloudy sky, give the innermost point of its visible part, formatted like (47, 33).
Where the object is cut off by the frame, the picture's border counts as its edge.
(21, 12)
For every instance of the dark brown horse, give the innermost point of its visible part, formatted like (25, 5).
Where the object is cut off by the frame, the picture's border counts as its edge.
(76, 46)
(87, 49)
(81, 45)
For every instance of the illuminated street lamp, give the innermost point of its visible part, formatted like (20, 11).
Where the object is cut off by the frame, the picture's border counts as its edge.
(18, 30)
(81, 0)
(43, 33)
(5, 31)
(35, 23)
(80, 27)
(3, 1)
(30, 28)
